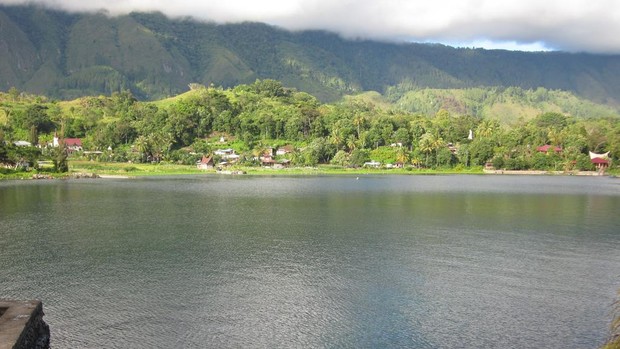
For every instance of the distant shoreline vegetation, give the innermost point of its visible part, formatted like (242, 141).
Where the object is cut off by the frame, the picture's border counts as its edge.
(267, 126)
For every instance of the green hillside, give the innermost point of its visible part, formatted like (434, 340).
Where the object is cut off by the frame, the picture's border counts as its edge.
(507, 105)
(70, 55)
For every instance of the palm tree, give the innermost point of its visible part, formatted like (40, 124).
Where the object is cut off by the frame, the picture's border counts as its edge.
(487, 128)
(160, 144)
(402, 155)
(555, 137)
(427, 144)
(143, 146)
(358, 121)
(259, 151)
(416, 161)
(351, 143)
(337, 136)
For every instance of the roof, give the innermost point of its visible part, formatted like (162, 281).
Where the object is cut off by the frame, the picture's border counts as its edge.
(595, 155)
(600, 161)
(545, 148)
(224, 151)
(287, 148)
(69, 142)
(206, 160)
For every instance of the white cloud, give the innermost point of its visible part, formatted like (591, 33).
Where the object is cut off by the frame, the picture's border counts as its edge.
(572, 25)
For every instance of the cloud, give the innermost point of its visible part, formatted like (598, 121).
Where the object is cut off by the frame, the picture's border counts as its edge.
(569, 25)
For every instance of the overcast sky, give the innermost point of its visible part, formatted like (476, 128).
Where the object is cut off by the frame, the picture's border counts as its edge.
(568, 25)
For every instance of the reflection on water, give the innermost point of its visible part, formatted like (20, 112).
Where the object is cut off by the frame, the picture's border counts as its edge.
(423, 261)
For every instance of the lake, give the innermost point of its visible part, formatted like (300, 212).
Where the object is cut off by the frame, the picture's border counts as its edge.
(467, 261)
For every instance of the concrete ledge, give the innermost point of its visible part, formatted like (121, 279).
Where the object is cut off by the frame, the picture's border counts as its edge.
(22, 325)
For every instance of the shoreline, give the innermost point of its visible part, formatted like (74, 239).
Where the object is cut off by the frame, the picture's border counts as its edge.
(256, 171)
(547, 173)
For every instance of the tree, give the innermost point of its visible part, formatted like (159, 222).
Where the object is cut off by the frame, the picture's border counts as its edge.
(61, 165)
(14, 93)
(160, 145)
(3, 148)
(445, 157)
(402, 155)
(487, 128)
(430, 144)
(341, 158)
(143, 146)
(35, 119)
(481, 151)
(551, 120)
(427, 145)
(358, 121)
(359, 157)
(270, 88)
(402, 136)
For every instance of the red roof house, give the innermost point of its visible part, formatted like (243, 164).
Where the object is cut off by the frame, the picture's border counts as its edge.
(599, 162)
(206, 163)
(73, 144)
(545, 148)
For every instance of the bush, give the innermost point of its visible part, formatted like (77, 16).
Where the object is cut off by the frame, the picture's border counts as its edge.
(498, 162)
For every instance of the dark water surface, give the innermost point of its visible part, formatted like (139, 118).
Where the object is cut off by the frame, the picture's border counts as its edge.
(316, 262)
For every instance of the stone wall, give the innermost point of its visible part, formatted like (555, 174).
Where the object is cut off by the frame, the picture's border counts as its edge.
(22, 325)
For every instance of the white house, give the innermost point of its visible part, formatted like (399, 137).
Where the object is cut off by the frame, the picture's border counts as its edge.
(372, 163)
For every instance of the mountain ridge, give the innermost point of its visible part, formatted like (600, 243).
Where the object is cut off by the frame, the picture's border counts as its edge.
(67, 55)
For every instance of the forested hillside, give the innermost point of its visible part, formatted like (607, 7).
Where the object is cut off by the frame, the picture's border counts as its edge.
(252, 118)
(70, 55)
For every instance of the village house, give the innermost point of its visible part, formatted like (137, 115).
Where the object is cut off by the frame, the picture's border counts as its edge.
(287, 149)
(72, 144)
(267, 160)
(373, 164)
(545, 149)
(22, 144)
(206, 163)
(227, 154)
(601, 161)
(282, 163)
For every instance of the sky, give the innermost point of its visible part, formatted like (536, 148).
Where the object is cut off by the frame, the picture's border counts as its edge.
(527, 25)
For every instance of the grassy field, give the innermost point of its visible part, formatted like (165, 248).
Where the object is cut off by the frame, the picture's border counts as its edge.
(127, 169)
(78, 168)
(131, 169)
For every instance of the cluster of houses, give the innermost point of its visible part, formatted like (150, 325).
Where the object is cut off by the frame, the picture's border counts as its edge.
(275, 159)
(228, 157)
(600, 161)
(72, 144)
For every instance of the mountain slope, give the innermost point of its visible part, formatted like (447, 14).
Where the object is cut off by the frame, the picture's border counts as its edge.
(68, 55)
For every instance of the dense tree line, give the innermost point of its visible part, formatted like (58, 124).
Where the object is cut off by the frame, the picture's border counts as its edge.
(265, 114)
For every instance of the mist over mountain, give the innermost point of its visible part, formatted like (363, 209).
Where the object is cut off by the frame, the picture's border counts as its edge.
(69, 55)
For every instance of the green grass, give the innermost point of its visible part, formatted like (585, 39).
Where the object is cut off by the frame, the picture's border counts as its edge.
(131, 169)
(167, 169)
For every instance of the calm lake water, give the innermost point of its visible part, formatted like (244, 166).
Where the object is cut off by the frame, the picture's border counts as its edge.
(316, 262)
